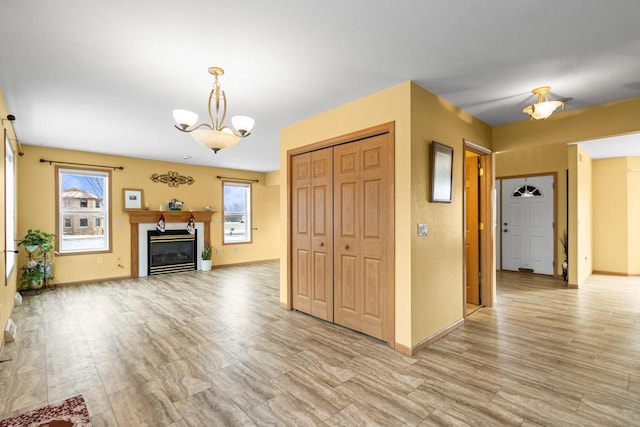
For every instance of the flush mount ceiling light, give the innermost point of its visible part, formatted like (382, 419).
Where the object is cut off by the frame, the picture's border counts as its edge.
(543, 108)
(215, 134)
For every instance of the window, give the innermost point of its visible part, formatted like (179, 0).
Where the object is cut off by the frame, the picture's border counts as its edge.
(236, 202)
(526, 191)
(9, 206)
(83, 218)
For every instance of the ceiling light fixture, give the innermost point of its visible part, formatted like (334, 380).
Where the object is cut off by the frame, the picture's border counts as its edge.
(543, 108)
(215, 134)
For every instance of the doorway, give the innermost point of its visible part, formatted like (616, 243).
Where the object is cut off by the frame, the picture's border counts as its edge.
(527, 224)
(478, 228)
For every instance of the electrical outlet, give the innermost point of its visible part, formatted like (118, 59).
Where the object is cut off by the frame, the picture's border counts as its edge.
(236, 250)
(218, 250)
(100, 260)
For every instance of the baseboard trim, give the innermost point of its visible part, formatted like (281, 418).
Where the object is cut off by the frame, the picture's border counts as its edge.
(410, 351)
(90, 281)
(572, 286)
(612, 273)
(238, 264)
(106, 279)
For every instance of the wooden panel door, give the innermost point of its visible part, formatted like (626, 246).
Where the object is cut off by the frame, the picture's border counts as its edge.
(363, 198)
(312, 233)
(472, 231)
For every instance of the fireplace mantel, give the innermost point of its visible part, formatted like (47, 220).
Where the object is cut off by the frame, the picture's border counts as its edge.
(145, 216)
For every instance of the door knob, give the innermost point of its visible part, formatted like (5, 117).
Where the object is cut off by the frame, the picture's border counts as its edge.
(505, 230)
(321, 244)
(346, 246)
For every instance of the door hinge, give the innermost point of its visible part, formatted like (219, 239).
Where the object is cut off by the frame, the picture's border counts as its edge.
(481, 226)
(480, 171)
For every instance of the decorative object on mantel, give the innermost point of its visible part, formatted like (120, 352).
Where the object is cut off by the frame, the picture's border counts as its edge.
(132, 198)
(160, 225)
(216, 134)
(173, 179)
(191, 225)
(174, 205)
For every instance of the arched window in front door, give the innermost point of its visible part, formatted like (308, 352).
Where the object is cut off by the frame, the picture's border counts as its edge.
(526, 191)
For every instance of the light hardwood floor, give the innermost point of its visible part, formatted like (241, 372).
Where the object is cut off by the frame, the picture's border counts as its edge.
(215, 348)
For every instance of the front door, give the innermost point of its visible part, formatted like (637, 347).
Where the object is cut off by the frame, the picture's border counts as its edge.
(528, 224)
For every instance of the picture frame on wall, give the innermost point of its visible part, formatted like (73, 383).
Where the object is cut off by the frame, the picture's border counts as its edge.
(132, 199)
(441, 172)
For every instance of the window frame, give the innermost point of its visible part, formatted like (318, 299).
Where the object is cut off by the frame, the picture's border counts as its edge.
(106, 209)
(248, 212)
(9, 207)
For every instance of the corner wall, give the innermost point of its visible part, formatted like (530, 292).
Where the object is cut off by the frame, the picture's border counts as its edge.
(429, 271)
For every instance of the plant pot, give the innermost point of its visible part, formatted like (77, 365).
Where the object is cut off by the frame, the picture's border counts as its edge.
(36, 285)
(206, 265)
(31, 248)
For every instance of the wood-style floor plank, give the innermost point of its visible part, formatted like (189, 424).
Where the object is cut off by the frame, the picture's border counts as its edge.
(215, 348)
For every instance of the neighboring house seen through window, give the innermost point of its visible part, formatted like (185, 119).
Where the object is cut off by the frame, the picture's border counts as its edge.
(83, 217)
(236, 202)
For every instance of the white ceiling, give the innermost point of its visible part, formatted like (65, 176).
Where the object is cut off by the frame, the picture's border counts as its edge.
(104, 76)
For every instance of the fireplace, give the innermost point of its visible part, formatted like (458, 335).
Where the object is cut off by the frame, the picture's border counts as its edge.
(171, 252)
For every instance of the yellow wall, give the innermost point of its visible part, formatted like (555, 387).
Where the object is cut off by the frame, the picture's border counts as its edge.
(8, 287)
(437, 267)
(616, 207)
(580, 196)
(36, 207)
(428, 277)
(633, 233)
(610, 237)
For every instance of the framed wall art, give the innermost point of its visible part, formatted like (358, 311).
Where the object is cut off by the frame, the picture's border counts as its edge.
(441, 172)
(132, 199)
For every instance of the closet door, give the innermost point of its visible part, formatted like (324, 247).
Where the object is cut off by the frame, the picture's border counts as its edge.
(363, 235)
(312, 233)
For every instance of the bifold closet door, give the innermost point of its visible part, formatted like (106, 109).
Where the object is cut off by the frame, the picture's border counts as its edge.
(363, 235)
(312, 233)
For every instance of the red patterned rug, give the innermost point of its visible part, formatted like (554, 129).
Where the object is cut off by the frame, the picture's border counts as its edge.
(68, 413)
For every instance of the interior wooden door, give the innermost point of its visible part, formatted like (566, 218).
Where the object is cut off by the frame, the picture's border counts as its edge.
(312, 233)
(363, 198)
(472, 232)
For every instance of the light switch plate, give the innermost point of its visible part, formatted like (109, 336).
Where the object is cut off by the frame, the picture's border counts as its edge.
(422, 230)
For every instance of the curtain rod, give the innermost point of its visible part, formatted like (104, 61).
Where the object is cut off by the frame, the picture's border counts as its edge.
(80, 164)
(238, 179)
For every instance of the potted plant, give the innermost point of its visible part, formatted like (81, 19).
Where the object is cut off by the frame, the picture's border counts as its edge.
(38, 244)
(565, 264)
(206, 258)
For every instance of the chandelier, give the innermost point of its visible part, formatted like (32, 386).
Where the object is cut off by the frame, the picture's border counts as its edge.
(543, 108)
(215, 134)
